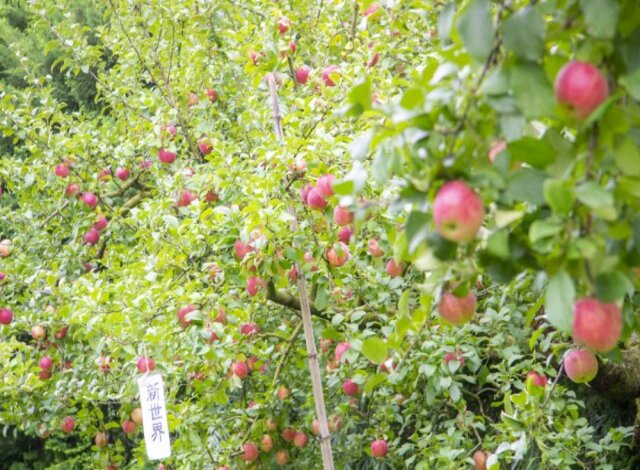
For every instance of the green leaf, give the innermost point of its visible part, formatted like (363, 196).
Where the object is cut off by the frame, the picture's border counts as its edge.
(374, 381)
(527, 185)
(445, 22)
(359, 97)
(360, 146)
(498, 244)
(532, 90)
(601, 17)
(417, 228)
(541, 229)
(535, 152)
(593, 196)
(375, 350)
(558, 195)
(476, 30)
(632, 83)
(612, 286)
(524, 34)
(558, 303)
(627, 157)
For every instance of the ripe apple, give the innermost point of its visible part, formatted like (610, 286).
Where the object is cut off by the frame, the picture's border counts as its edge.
(328, 73)
(341, 348)
(457, 212)
(101, 223)
(222, 316)
(457, 310)
(292, 46)
(304, 192)
(374, 249)
(249, 329)
(61, 333)
(61, 171)
(68, 424)
(300, 439)
(374, 60)
(315, 200)
(350, 388)
(580, 365)
(282, 457)
(241, 249)
(338, 254)
(288, 434)
(211, 196)
(166, 156)
(266, 444)
(72, 190)
(105, 175)
(146, 364)
(90, 199)
(315, 427)
(582, 87)
(128, 426)
(123, 174)
(537, 379)
(44, 374)
(393, 268)
(284, 24)
(6, 316)
(204, 146)
(283, 393)
(212, 94)
(271, 424)
(146, 164)
(596, 324)
(335, 424)
(45, 363)
(169, 130)
(324, 185)
(183, 312)
(344, 234)
(302, 74)
(38, 333)
(101, 439)
(480, 460)
(92, 236)
(254, 284)
(3, 276)
(186, 198)
(239, 369)
(379, 448)
(136, 416)
(342, 216)
(249, 452)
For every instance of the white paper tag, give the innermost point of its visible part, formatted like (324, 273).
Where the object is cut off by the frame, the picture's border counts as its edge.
(154, 416)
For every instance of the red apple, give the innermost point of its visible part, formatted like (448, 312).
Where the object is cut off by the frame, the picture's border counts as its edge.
(379, 448)
(169, 130)
(302, 74)
(341, 348)
(222, 316)
(62, 171)
(146, 364)
(315, 427)
(537, 379)
(105, 175)
(288, 434)
(212, 94)
(581, 365)
(249, 329)
(146, 164)
(249, 452)
(596, 324)
(282, 457)
(255, 58)
(338, 254)
(327, 75)
(166, 156)
(350, 388)
(457, 310)
(241, 249)
(271, 424)
(582, 87)
(239, 369)
(128, 426)
(72, 190)
(454, 356)
(324, 185)
(292, 46)
(92, 236)
(480, 460)
(315, 200)
(393, 268)
(457, 212)
(374, 248)
(61, 333)
(183, 312)
(211, 196)
(6, 316)
(45, 363)
(266, 444)
(374, 60)
(101, 223)
(300, 439)
(123, 174)
(283, 393)
(101, 439)
(304, 192)
(68, 424)
(284, 24)
(186, 198)
(90, 200)
(342, 216)
(44, 374)
(204, 147)
(254, 284)
(38, 333)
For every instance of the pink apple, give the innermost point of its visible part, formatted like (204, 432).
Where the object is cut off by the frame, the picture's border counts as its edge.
(344, 234)
(45, 363)
(342, 216)
(249, 329)
(90, 199)
(324, 185)
(105, 175)
(92, 236)
(123, 174)
(239, 369)
(128, 426)
(72, 190)
(101, 439)
(254, 284)
(580, 365)
(341, 348)
(454, 356)
(350, 388)
(537, 379)
(596, 325)
(327, 73)
(255, 58)
(292, 46)
(302, 74)
(374, 60)
(371, 10)
(393, 268)
(379, 448)
(288, 434)
(212, 94)
(222, 316)
(3, 276)
(68, 424)
(146, 364)
(338, 255)
(61, 333)
(204, 147)
(62, 171)
(182, 313)
(374, 248)
(457, 212)
(582, 87)
(6, 316)
(304, 192)
(315, 200)
(241, 249)
(170, 130)
(166, 156)
(284, 24)
(300, 439)
(146, 164)
(186, 198)
(38, 333)
(457, 310)
(101, 223)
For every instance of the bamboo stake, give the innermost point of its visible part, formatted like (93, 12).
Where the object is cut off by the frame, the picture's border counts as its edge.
(305, 311)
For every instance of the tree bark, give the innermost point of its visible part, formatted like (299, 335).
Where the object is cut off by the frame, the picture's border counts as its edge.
(620, 382)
